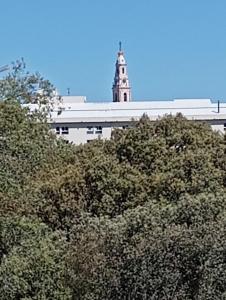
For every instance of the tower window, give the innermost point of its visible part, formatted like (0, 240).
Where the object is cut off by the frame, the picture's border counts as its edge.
(123, 70)
(125, 97)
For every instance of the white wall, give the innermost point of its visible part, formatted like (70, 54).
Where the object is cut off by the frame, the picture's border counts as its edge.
(77, 132)
(218, 128)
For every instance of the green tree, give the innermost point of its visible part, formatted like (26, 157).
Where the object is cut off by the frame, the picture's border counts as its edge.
(31, 261)
(157, 251)
(141, 216)
(24, 87)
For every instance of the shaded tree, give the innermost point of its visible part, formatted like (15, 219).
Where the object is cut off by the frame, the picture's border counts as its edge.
(32, 265)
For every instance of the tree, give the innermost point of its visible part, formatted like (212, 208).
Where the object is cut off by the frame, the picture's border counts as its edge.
(24, 87)
(32, 265)
(141, 216)
(152, 252)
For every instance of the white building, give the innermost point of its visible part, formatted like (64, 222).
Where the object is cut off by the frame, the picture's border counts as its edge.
(79, 121)
(83, 122)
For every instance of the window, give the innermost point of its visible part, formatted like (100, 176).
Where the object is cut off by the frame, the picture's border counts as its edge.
(64, 130)
(98, 130)
(57, 130)
(125, 97)
(90, 130)
(123, 70)
(224, 126)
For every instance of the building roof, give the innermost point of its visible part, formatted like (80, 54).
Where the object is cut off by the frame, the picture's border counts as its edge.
(73, 99)
(193, 109)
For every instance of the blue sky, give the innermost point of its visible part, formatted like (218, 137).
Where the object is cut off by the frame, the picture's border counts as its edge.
(174, 48)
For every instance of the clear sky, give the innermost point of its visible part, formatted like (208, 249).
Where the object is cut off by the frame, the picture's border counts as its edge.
(174, 48)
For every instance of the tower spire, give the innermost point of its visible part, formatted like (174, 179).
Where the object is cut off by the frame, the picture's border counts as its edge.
(120, 46)
(121, 87)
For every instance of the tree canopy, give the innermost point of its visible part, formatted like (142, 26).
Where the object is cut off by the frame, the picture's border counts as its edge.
(141, 216)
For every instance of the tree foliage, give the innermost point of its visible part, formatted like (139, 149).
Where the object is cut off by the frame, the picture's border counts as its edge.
(24, 87)
(141, 216)
(31, 261)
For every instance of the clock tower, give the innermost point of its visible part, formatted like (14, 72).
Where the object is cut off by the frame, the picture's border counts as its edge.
(121, 87)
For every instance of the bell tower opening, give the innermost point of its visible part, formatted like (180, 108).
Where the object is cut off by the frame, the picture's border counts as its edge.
(121, 87)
